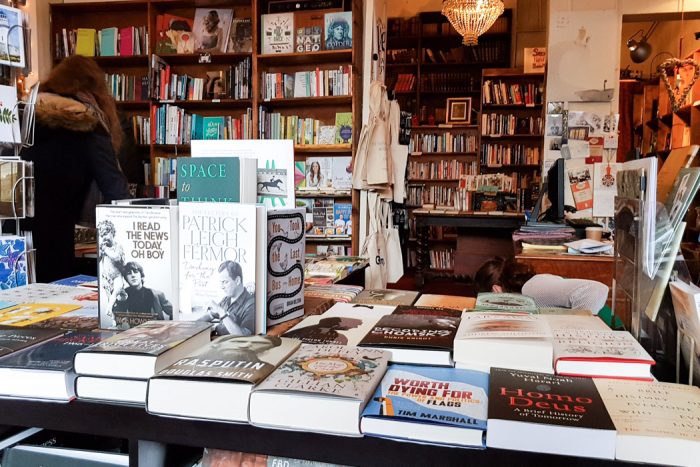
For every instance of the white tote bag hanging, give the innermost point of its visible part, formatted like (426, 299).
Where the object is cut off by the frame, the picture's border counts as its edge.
(377, 165)
(398, 154)
(374, 247)
(394, 254)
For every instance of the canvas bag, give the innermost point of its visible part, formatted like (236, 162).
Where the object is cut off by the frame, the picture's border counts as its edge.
(377, 165)
(394, 253)
(374, 246)
(398, 153)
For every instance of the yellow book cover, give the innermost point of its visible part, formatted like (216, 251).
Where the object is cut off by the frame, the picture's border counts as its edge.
(31, 313)
(85, 43)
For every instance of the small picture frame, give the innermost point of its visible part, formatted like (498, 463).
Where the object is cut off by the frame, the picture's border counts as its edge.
(459, 110)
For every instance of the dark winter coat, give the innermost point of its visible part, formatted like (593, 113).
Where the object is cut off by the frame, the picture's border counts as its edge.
(71, 149)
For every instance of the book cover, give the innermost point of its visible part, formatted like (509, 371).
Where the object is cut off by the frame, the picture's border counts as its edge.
(240, 39)
(29, 314)
(108, 42)
(12, 37)
(491, 301)
(432, 395)
(213, 127)
(455, 302)
(13, 339)
(338, 30)
(406, 330)
(308, 27)
(248, 359)
(55, 354)
(342, 324)
(285, 267)
(9, 125)
(81, 319)
(13, 261)
(85, 42)
(222, 266)
(136, 264)
(277, 33)
(539, 398)
(126, 41)
(534, 59)
(341, 172)
(427, 311)
(475, 325)
(215, 179)
(386, 297)
(342, 218)
(150, 338)
(174, 34)
(83, 280)
(223, 458)
(299, 175)
(211, 29)
(343, 128)
(334, 370)
(319, 173)
(275, 161)
(326, 134)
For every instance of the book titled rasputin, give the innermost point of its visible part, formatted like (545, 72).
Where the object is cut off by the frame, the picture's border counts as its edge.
(539, 412)
(216, 179)
(414, 339)
(45, 371)
(227, 369)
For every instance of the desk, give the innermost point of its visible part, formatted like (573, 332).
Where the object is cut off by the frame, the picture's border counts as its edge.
(491, 235)
(599, 268)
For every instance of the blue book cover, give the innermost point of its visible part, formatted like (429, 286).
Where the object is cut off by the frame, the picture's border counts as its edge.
(75, 281)
(54, 354)
(432, 395)
(13, 261)
(213, 127)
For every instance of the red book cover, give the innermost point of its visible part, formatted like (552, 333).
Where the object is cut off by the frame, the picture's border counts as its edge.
(126, 41)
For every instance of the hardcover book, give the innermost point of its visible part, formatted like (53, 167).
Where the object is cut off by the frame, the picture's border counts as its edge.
(285, 266)
(226, 369)
(141, 351)
(386, 297)
(512, 302)
(427, 311)
(299, 175)
(308, 35)
(414, 339)
(318, 173)
(241, 36)
(136, 264)
(430, 405)
(13, 339)
(277, 33)
(45, 371)
(656, 422)
(600, 354)
(174, 34)
(528, 411)
(343, 128)
(315, 381)
(342, 218)
(29, 314)
(222, 266)
(211, 29)
(338, 30)
(446, 301)
(342, 324)
(216, 179)
(341, 173)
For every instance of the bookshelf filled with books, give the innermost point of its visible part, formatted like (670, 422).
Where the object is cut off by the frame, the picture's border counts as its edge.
(228, 69)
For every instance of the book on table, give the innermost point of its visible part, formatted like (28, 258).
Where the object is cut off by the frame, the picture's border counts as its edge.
(112, 390)
(14, 339)
(429, 405)
(45, 371)
(539, 412)
(225, 370)
(318, 380)
(386, 297)
(446, 301)
(140, 352)
(512, 302)
(414, 339)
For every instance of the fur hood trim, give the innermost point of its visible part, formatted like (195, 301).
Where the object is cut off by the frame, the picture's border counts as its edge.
(57, 111)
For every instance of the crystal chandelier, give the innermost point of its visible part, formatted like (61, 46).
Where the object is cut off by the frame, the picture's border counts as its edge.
(472, 18)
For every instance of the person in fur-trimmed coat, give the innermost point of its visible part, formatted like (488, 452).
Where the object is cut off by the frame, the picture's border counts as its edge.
(77, 137)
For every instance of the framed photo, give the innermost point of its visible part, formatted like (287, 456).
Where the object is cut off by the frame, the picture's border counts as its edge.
(459, 110)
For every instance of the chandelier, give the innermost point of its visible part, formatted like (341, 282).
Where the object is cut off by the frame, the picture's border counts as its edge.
(472, 18)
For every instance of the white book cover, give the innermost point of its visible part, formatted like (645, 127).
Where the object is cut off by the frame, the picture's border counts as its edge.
(342, 324)
(9, 121)
(477, 325)
(285, 267)
(568, 322)
(580, 344)
(136, 264)
(275, 165)
(277, 33)
(222, 266)
(341, 173)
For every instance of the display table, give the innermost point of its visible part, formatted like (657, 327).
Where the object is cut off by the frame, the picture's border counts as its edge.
(134, 424)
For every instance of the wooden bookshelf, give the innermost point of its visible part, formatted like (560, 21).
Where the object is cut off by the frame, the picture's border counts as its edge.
(120, 14)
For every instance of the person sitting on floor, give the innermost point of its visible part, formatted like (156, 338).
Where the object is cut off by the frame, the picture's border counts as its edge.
(502, 275)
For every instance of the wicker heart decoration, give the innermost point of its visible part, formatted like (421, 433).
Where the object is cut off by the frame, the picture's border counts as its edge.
(677, 98)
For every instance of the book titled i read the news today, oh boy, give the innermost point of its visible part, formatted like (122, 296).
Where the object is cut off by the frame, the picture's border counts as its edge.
(429, 404)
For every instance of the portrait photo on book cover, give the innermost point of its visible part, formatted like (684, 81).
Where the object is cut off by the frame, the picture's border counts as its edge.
(211, 29)
(253, 349)
(234, 314)
(135, 303)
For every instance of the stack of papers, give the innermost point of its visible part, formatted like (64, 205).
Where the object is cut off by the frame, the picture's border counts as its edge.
(587, 246)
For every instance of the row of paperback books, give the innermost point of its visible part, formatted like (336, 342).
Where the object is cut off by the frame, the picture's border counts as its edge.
(127, 87)
(449, 81)
(304, 130)
(501, 93)
(497, 155)
(405, 82)
(509, 124)
(440, 170)
(314, 83)
(107, 42)
(445, 141)
(171, 124)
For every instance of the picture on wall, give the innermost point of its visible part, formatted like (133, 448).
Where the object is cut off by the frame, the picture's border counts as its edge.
(459, 110)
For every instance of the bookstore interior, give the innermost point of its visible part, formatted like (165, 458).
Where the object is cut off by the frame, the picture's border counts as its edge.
(181, 179)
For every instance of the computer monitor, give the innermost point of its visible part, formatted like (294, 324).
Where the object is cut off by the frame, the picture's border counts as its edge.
(556, 182)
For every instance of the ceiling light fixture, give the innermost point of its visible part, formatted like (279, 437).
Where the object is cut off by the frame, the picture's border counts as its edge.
(472, 18)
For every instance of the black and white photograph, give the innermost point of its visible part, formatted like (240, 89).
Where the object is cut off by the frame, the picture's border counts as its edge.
(556, 107)
(555, 125)
(234, 313)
